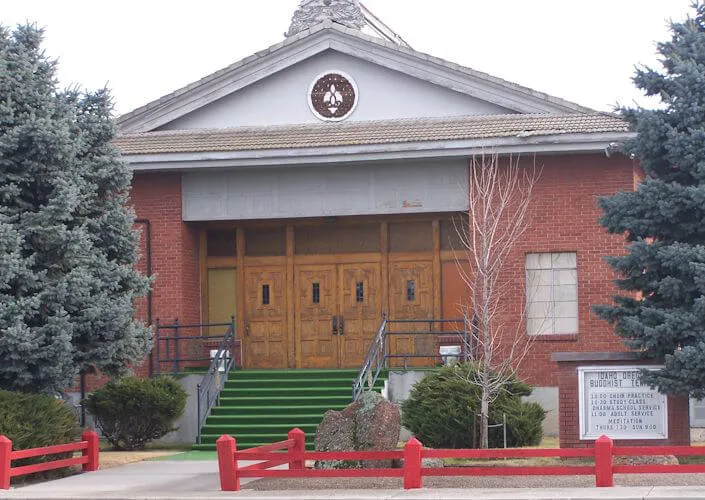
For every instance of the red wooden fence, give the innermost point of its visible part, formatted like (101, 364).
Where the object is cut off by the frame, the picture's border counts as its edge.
(88, 446)
(292, 452)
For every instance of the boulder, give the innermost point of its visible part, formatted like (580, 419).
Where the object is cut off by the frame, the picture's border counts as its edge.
(370, 423)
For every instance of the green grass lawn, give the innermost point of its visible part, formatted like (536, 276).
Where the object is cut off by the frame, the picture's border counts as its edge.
(188, 455)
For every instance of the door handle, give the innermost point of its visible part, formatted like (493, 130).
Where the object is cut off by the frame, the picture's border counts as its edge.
(341, 326)
(334, 325)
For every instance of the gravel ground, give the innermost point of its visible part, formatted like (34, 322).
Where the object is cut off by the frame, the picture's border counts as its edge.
(475, 482)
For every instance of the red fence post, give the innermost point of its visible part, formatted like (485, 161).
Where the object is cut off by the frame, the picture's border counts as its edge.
(412, 464)
(92, 451)
(603, 462)
(227, 465)
(5, 462)
(299, 448)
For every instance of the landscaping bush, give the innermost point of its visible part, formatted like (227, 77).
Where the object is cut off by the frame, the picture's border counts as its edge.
(36, 421)
(441, 408)
(131, 412)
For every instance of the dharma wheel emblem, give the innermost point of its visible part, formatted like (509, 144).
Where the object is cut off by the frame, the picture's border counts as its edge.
(333, 96)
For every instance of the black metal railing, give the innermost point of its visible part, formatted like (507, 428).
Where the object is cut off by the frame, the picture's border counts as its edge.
(208, 390)
(179, 347)
(434, 335)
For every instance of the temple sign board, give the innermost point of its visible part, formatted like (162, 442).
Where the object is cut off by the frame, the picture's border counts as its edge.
(615, 402)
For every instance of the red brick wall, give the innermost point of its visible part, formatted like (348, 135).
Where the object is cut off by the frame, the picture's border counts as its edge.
(175, 290)
(563, 217)
(568, 411)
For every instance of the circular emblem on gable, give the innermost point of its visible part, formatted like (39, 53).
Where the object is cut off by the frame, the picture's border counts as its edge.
(333, 96)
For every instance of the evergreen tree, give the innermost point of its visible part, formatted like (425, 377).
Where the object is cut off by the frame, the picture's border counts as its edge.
(67, 244)
(664, 219)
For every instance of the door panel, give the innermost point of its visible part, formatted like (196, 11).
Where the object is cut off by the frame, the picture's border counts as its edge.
(222, 303)
(265, 337)
(316, 307)
(411, 297)
(360, 309)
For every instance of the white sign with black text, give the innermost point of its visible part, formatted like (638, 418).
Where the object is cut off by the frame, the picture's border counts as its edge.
(614, 402)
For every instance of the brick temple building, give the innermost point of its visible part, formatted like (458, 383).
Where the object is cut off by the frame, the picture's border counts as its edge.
(311, 188)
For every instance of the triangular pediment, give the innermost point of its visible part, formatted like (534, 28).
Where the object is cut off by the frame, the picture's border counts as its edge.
(274, 87)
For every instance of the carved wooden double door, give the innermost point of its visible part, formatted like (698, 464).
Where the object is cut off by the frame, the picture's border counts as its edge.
(338, 310)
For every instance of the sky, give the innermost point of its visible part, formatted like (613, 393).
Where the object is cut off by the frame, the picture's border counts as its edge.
(583, 51)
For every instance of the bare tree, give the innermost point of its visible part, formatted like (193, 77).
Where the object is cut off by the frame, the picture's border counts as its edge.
(499, 192)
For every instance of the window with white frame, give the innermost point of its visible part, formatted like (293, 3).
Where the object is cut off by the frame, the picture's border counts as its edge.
(551, 293)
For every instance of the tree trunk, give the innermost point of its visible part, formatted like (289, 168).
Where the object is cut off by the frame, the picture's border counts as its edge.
(484, 419)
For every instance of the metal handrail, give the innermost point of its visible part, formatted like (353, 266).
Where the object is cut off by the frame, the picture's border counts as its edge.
(378, 355)
(208, 390)
(374, 362)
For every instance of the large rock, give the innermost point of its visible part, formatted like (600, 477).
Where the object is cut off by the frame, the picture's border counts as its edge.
(370, 423)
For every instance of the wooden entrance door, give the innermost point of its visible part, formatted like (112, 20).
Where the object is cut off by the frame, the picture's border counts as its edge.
(360, 311)
(411, 297)
(265, 339)
(316, 311)
(337, 314)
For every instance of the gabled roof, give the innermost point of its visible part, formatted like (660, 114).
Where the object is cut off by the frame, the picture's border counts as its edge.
(368, 133)
(329, 35)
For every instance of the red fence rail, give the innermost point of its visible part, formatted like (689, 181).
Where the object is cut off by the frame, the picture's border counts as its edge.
(292, 451)
(88, 446)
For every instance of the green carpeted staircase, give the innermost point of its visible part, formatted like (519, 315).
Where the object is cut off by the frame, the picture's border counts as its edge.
(261, 406)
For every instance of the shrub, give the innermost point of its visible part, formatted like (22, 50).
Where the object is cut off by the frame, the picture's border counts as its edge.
(441, 409)
(131, 412)
(35, 421)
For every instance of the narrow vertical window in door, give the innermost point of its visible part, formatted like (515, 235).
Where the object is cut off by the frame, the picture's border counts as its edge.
(265, 295)
(360, 291)
(316, 293)
(410, 290)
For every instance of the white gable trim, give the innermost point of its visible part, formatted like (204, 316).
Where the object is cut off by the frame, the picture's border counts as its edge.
(556, 144)
(328, 36)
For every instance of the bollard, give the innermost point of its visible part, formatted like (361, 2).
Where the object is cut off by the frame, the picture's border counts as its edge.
(227, 465)
(603, 462)
(298, 449)
(412, 464)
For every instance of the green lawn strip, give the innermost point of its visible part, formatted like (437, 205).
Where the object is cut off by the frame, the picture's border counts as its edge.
(188, 455)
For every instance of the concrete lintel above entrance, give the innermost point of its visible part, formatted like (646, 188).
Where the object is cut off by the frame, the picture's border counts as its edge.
(377, 189)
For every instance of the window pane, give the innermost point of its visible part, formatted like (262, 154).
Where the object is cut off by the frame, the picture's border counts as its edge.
(566, 325)
(539, 326)
(565, 277)
(265, 295)
(360, 292)
(566, 309)
(540, 310)
(566, 293)
(316, 293)
(411, 290)
(539, 278)
(221, 243)
(564, 260)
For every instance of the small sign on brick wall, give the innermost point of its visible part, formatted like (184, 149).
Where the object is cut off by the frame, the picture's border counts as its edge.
(613, 401)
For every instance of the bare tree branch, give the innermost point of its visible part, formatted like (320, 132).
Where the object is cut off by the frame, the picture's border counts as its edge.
(499, 195)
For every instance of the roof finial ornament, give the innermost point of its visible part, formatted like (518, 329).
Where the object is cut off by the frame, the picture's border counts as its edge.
(312, 12)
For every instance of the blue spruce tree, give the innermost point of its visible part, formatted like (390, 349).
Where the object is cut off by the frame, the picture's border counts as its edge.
(67, 244)
(664, 219)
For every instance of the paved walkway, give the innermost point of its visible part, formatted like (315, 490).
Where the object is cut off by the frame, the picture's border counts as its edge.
(196, 480)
